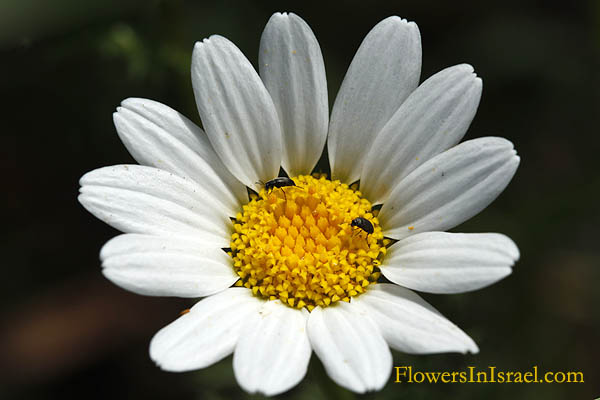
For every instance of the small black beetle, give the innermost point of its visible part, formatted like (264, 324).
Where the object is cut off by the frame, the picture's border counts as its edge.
(278, 182)
(363, 224)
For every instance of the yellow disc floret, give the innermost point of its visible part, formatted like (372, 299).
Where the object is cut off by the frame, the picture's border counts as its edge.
(296, 244)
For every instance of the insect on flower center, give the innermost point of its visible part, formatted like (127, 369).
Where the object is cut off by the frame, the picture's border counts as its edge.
(297, 243)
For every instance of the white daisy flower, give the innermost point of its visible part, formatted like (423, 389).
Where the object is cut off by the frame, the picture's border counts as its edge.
(288, 272)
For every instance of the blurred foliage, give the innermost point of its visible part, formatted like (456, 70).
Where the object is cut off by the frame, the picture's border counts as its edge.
(65, 66)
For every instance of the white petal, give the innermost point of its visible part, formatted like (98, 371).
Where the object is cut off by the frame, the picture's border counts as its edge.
(434, 118)
(450, 188)
(291, 66)
(273, 351)
(236, 110)
(440, 262)
(412, 325)
(161, 266)
(351, 347)
(138, 199)
(206, 334)
(158, 136)
(384, 71)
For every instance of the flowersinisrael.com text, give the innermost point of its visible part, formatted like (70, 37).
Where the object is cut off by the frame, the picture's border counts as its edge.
(406, 374)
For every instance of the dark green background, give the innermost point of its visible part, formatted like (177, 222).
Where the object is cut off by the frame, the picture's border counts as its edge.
(66, 332)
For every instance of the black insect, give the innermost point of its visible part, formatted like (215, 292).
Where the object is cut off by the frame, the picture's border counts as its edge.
(278, 182)
(363, 224)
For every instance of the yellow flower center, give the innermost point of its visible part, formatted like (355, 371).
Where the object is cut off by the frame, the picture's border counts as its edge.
(296, 244)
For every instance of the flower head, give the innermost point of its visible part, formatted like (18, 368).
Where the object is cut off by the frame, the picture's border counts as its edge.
(296, 267)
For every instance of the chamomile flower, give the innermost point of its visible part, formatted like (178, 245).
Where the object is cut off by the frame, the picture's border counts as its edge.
(285, 272)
